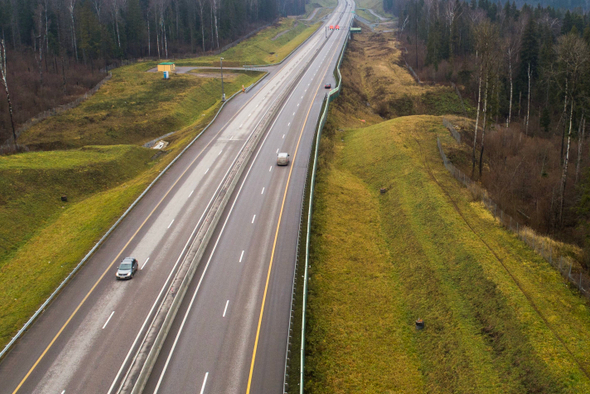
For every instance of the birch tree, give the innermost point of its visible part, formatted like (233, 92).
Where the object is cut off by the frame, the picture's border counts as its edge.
(572, 55)
(5, 84)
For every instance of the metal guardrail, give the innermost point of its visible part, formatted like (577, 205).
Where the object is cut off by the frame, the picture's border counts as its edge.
(146, 356)
(321, 123)
(28, 324)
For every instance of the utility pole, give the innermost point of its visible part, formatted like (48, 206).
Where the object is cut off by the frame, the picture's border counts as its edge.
(222, 91)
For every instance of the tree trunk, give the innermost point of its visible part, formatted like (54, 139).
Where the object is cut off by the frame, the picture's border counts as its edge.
(528, 110)
(149, 38)
(565, 164)
(74, 40)
(564, 125)
(476, 120)
(165, 40)
(3, 72)
(483, 131)
(581, 130)
(511, 88)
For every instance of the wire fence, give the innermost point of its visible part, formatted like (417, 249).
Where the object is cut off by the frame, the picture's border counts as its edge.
(452, 129)
(568, 268)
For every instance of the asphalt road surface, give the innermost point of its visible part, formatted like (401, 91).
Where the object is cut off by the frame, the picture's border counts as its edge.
(230, 335)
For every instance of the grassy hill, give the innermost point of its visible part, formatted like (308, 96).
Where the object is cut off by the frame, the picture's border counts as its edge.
(499, 318)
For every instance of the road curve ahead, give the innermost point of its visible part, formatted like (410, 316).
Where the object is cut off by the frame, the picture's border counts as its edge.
(230, 334)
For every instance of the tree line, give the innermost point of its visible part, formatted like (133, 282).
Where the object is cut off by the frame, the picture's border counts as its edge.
(89, 30)
(527, 73)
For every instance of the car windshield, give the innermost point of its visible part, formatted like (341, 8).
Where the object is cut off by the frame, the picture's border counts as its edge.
(125, 266)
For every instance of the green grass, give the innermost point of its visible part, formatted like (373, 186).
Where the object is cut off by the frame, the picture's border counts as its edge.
(134, 107)
(261, 48)
(381, 261)
(91, 154)
(42, 238)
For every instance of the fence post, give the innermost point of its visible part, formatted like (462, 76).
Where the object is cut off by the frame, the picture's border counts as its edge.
(580, 286)
(510, 223)
(570, 273)
(517, 230)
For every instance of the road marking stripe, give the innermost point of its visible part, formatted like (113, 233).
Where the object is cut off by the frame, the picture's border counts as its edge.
(220, 152)
(206, 171)
(289, 124)
(171, 223)
(148, 259)
(192, 191)
(108, 320)
(262, 192)
(242, 256)
(270, 169)
(254, 218)
(272, 255)
(225, 310)
(283, 135)
(204, 383)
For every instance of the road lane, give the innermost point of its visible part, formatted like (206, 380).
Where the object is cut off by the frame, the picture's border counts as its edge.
(205, 345)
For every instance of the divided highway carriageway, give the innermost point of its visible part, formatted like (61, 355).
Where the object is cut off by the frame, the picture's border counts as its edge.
(215, 238)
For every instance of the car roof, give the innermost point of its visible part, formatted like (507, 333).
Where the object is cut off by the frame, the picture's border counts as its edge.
(128, 260)
(283, 154)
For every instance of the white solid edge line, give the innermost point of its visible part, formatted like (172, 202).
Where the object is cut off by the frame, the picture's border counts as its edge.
(108, 320)
(171, 223)
(225, 310)
(241, 256)
(212, 253)
(148, 259)
(204, 383)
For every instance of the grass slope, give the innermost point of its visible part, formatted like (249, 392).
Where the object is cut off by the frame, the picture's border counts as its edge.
(263, 48)
(134, 107)
(42, 238)
(498, 318)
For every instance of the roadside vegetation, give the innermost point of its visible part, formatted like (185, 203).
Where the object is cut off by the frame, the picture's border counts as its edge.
(271, 45)
(93, 155)
(498, 318)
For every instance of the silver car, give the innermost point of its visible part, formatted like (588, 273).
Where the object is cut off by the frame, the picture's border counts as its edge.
(127, 268)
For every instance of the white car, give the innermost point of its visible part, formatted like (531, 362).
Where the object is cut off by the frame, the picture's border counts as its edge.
(282, 159)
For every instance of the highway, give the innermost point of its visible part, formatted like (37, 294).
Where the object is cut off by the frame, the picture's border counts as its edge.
(230, 334)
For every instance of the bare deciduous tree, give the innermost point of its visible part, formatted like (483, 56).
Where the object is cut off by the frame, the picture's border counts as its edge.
(5, 84)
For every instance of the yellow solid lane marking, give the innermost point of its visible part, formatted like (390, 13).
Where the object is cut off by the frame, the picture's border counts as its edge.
(119, 254)
(272, 255)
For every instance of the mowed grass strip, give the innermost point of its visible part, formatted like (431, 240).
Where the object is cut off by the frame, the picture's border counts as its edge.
(482, 335)
(263, 48)
(43, 238)
(134, 107)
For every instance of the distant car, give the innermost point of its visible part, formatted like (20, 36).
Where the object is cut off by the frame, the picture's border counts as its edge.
(337, 27)
(328, 86)
(127, 268)
(282, 159)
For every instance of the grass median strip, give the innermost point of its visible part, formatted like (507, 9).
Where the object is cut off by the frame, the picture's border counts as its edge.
(381, 261)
